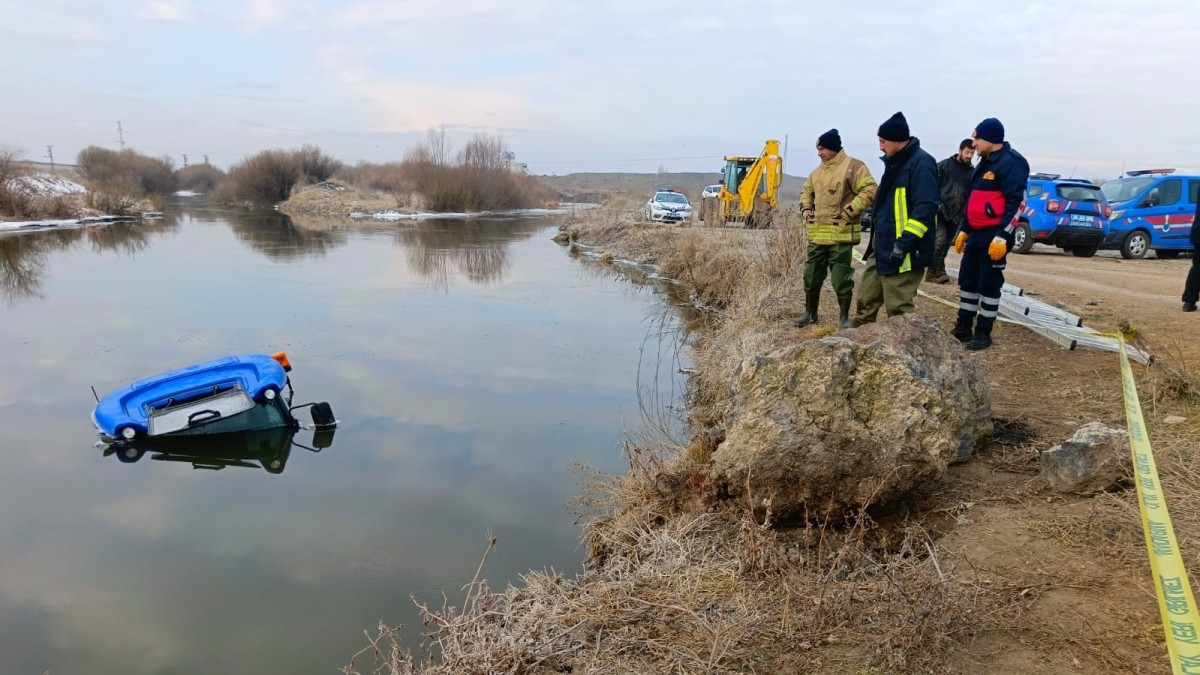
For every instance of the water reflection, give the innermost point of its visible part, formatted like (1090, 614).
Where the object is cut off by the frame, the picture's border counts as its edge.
(276, 236)
(464, 411)
(477, 249)
(23, 255)
(267, 449)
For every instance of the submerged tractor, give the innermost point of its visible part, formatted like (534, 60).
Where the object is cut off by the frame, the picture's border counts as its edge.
(750, 186)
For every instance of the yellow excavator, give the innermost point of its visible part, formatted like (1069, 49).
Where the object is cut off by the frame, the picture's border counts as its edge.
(749, 186)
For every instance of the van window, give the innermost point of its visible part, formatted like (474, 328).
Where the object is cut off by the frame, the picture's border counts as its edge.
(1080, 193)
(1166, 193)
(1034, 190)
(1193, 190)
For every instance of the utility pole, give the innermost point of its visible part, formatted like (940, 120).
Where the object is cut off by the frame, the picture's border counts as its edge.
(120, 135)
(50, 154)
(206, 160)
(185, 160)
(785, 146)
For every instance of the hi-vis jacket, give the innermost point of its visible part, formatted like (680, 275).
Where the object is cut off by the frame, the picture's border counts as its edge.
(904, 211)
(837, 183)
(997, 190)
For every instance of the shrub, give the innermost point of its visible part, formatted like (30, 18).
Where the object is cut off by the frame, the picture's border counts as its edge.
(199, 178)
(126, 172)
(13, 202)
(263, 179)
(316, 165)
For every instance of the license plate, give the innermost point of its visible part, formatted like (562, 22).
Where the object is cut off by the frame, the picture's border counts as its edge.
(1080, 218)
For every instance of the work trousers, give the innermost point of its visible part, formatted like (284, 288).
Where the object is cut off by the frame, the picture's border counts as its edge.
(894, 292)
(826, 258)
(979, 281)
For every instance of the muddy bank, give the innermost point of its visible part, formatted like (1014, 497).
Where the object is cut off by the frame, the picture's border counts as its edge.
(980, 568)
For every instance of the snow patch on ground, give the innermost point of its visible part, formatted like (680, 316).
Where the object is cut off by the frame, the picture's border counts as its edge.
(186, 193)
(46, 185)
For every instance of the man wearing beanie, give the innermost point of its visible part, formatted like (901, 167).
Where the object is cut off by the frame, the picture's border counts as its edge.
(954, 179)
(901, 245)
(831, 205)
(986, 235)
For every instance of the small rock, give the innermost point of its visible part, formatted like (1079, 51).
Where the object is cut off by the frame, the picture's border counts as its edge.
(1174, 419)
(1092, 303)
(1094, 460)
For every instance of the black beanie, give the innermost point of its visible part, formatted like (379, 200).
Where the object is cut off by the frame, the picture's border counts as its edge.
(990, 130)
(830, 140)
(895, 129)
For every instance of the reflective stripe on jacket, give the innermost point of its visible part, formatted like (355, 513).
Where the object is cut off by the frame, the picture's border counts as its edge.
(835, 184)
(904, 211)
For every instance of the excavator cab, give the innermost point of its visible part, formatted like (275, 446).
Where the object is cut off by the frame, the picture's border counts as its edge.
(751, 185)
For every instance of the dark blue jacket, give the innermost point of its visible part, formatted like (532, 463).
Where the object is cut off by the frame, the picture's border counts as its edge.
(905, 207)
(1195, 236)
(997, 190)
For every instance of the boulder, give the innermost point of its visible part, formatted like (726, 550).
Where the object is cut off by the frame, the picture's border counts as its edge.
(859, 417)
(1094, 460)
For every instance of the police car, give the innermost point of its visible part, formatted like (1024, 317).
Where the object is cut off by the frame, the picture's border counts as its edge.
(668, 206)
(1069, 213)
(1152, 209)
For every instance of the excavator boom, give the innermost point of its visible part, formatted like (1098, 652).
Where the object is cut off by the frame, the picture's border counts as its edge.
(751, 187)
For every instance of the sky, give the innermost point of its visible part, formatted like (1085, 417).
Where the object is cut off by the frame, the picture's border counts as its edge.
(1084, 87)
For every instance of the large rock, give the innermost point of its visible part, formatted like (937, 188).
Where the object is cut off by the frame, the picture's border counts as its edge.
(1094, 460)
(861, 416)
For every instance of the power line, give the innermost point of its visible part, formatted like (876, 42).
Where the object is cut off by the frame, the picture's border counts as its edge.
(639, 160)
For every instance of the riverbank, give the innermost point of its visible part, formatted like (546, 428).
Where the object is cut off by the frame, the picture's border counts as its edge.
(983, 569)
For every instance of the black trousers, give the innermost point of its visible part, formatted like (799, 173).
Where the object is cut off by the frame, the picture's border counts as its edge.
(979, 281)
(1191, 289)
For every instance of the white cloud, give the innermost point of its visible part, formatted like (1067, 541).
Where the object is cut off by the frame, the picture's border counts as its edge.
(48, 22)
(255, 15)
(165, 10)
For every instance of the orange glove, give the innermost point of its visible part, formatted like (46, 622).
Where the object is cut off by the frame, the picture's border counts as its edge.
(997, 248)
(960, 242)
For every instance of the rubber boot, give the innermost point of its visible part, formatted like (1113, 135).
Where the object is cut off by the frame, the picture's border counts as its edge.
(1189, 306)
(937, 274)
(962, 332)
(844, 312)
(811, 301)
(979, 342)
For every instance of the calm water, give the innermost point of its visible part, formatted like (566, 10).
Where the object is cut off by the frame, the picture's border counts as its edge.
(472, 365)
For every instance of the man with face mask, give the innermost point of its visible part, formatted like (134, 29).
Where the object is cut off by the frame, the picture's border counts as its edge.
(954, 177)
(986, 235)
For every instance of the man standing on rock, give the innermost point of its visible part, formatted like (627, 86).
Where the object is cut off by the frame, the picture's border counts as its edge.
(984, 239)
(954, 179)
(833, 200)
(901, 245)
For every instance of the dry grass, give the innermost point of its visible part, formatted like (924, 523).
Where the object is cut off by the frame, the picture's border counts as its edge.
(681, 580)
(716, 592)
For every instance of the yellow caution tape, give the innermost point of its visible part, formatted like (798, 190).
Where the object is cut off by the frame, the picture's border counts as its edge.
(1175, 602)
(1176, 605)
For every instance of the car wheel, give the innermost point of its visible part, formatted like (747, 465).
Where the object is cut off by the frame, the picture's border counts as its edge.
(1168, 255)
(1084, 251)
(1022, 238)
(1136, 245)
(130, 454)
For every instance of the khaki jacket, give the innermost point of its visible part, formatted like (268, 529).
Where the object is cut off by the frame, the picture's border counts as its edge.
(837, 183)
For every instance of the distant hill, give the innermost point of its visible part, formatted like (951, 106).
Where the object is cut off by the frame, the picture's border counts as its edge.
(592, 187)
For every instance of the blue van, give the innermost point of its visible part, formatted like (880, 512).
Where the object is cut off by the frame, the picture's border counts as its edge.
(1152, 209)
